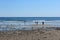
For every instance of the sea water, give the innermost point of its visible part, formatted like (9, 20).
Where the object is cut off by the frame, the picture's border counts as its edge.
(24, 23)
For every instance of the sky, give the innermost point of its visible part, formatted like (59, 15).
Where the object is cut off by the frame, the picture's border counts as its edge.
(29, 8)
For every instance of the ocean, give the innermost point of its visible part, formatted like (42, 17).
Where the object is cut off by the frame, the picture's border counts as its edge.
(17, 23)
(28, 18)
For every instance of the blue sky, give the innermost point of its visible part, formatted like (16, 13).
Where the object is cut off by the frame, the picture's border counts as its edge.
(29, 8)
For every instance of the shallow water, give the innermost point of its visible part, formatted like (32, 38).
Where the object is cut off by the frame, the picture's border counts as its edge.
(18, 25)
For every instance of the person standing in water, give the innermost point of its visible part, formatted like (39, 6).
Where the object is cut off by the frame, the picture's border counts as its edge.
(36, 22)
(43, 25)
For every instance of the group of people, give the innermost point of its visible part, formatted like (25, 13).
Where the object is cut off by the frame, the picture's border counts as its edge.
(37, 23)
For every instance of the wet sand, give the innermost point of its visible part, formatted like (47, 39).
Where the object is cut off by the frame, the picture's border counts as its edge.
(31, 35)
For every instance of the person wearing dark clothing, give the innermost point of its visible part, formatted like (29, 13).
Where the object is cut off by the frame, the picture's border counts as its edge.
(36, 22)
(42, 23)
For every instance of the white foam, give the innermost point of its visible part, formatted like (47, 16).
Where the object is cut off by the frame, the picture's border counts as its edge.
(20, 25)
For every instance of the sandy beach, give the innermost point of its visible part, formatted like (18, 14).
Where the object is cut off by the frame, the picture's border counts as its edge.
(31, 35)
